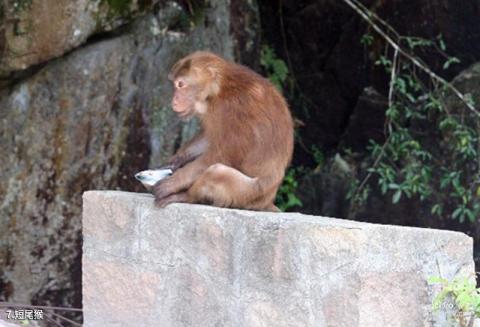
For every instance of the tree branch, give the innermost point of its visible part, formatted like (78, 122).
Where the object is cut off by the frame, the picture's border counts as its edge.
(367, 16)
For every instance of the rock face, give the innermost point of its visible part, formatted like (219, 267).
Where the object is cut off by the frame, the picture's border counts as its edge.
(88, 120)
(34, 31)
(190, 265)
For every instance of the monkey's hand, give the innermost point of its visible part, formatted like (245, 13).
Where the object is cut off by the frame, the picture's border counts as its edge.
(167, 166)
(180, 181)
(173, 164)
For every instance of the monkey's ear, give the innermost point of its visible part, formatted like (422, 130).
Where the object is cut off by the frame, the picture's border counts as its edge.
(213, 72)
(181, 67)
(173, 71)
(214, 87)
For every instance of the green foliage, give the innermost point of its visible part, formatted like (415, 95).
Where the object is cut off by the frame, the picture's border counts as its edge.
(367, 39)
(407, 164)
(193, 14)
(414, 42)
(286, 195)
(318, 156)
(451, 60)
(275, 68)
(464, 293)
(356, 193)
(21, 5)
(118, 6)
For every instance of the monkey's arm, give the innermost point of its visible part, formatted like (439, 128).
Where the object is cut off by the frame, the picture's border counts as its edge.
(182, 179)
(188, 152)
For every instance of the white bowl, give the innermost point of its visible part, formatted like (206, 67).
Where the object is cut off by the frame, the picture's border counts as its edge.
(150, 177)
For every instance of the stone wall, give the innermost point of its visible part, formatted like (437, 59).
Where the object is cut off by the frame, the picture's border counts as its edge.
(191, 265)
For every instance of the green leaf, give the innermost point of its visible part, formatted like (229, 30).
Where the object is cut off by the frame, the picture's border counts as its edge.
(437, 209)
(436, 280)
(367, 39)
(457, 213)
(396, 197)
(393, 186)
(463, 300)
(471, 216)
(450, 61)
(401, 84)
(442, 45)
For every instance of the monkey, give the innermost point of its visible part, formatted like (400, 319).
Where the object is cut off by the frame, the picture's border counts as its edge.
(239, 157)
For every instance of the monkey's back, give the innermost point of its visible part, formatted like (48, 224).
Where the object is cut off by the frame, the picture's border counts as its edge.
(254, 127)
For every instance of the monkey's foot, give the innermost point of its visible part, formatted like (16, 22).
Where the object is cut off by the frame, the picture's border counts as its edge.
(174, 198)
(164, 188)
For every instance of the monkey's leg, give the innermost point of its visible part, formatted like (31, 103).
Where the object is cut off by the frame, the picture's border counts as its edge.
(272, 208)
(223, 186)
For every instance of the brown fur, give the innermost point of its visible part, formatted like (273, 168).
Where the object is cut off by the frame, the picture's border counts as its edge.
(240, 157)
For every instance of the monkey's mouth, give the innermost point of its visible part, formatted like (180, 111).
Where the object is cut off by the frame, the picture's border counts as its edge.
(182, 111)
(185, 114)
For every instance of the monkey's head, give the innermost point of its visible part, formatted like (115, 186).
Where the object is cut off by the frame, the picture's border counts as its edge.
(196, 80)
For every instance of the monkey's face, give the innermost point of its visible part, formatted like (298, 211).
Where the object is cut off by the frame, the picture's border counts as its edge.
(184, 97)
(195, 79)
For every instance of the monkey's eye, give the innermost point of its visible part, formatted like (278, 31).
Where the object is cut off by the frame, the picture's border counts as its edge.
(180, 84)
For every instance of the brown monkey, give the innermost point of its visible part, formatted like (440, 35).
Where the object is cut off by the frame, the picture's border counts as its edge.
(239, 158)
